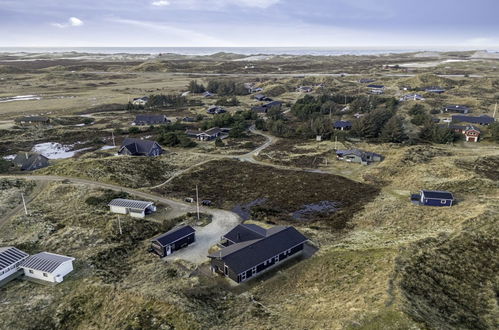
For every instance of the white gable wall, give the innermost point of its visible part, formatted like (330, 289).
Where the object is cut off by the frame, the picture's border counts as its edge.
(56, 276)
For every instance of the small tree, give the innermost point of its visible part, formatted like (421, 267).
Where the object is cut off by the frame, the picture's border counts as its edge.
(169, 139)
(393, 131)
(134, 130)
(219, 143)
(494, 131)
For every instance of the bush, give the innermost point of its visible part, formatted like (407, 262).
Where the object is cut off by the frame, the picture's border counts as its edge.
(134, 130)
(219, 143)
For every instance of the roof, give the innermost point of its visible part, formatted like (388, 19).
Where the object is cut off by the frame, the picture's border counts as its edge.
(474, 119)
(150, 118)
(143, 98)
(10, 255)
(358, 152)
(375, 86)
(243, 233)
(213, 131)
(342, 123)
(243, 256)
(273, 104)
(457, 107)
(437, 194)
(26, 160)
(33, 118)
(45, 261)
(174, 235)
(130, 203)
(138, 146)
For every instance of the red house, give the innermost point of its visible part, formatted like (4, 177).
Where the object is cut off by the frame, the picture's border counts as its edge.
(471, 134)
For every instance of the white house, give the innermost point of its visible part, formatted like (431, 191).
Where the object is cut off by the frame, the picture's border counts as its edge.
(10, 262)
(136, 209)
(48, 267)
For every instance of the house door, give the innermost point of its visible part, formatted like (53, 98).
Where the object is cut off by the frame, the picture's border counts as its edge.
(169, 250)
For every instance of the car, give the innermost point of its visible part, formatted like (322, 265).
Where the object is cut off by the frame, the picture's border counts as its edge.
(206, 202)
(189, 200)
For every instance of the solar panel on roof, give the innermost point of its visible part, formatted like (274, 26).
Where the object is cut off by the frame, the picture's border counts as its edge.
(10, 256)
(128, 203)
(45, 262)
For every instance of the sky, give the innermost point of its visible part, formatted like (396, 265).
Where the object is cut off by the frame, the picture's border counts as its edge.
(427, 24)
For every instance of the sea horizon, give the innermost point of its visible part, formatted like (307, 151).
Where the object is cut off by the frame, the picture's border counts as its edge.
(193, 51)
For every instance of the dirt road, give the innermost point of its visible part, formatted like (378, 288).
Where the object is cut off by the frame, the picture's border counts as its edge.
(206, 236)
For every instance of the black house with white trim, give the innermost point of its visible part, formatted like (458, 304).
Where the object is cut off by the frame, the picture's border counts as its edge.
(250, 250)
(138, 147)
(173, 240)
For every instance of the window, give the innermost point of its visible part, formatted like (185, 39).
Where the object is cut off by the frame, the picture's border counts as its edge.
(443, 201)
(289, 251)
(45, 275)
(243, 276)
(253, 270)
(31, 271)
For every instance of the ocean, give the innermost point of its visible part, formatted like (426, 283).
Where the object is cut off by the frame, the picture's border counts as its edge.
(319, 51)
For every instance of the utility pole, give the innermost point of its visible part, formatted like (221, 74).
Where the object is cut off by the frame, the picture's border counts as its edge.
(495, 110)
(24, 203)
(335, 142)
(197, 200)
(112, 136)
(119, 225)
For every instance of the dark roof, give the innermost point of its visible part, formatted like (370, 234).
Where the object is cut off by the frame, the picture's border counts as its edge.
(174, 235)
(152, 119)
(273, 104)
(243, 256)
(129, 203)
(10, 255)
(143, 98)
(138, 146)
(45, 261)
(213, 131)
(243, 233)
(437, 194)
(376, 86)
(366, 80)
(358, 152)
(473, 119)
(30, 161)
(342, 123)
(457, 107)
(33, 119)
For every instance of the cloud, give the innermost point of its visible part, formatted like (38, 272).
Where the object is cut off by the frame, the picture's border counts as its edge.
(72, 21)
(160, 3)
(222, 4)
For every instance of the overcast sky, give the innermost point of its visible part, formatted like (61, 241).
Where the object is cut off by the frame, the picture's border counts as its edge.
(432, 24)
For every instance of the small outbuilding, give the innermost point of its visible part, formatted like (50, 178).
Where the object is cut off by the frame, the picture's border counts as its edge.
(173, 240)
(436, 198)
(136, 209)
(48, 267)
(11, 259)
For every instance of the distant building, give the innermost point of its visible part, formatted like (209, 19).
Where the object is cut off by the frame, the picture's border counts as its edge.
(173, 240)
(32, 120)
(305, 89)
(366, 80)
(215, 110)
(48, 267)
(140, 100)
(11, 259)
(358, 156)
(342, 125)
(208, 94)
(457, 108)
(412, 97)
(266, 107)
(472, 134)
(136, 209)
(208, 135)
(261, 97)
(249, 250)
(436, 90)
(150, 120)
(480, 120)
(138, 147)
(30, 161)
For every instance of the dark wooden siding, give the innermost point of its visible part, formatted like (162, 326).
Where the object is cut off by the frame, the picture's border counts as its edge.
(437, 202)
(183, 242)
